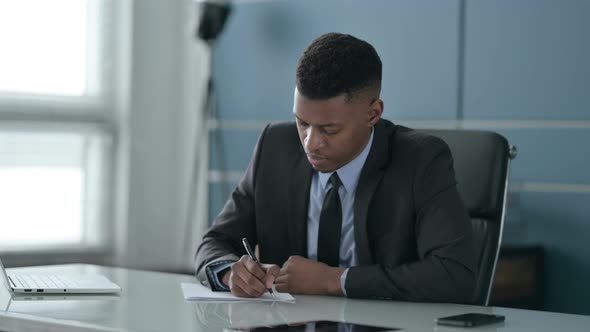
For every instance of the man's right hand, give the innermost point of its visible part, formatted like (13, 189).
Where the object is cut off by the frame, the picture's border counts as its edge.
(247, 279)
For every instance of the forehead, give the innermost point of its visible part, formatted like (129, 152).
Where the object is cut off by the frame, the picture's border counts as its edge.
(332, 110)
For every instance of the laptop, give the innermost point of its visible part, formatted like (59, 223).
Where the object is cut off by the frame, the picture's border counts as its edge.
(26, 283)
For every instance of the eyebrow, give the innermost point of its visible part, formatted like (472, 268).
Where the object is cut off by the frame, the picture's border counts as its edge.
(321, 125)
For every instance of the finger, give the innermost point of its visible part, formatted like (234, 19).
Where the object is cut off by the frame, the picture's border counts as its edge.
(239, 292)
(292, 260)
(253, 267)
(246, 280)
(234, 286)
(281, 288)
(238, 267)
(272, 271)
(284, 270)
(281, 285)
(247, 289)
(254, 283)
(249, 269)
(282, 279)
(236, 290)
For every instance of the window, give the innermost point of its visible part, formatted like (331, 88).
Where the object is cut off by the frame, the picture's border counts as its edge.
(49, 47)
(50, 183)
(56, 122)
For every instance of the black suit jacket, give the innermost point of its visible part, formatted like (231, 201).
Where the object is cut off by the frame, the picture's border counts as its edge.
(413, 235)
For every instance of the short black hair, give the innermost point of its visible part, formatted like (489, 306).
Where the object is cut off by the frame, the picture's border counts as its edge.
(337, 63)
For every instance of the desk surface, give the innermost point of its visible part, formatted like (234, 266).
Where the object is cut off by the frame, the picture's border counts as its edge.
(153, 301)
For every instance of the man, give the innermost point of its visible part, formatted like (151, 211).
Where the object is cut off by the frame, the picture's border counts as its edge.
(393, 228)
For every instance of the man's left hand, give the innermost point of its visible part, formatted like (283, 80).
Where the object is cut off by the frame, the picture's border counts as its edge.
(300, 275)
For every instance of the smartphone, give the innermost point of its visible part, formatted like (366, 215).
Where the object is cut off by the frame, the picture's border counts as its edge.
(470, 319)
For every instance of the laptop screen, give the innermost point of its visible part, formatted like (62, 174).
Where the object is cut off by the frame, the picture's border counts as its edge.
(4, 276)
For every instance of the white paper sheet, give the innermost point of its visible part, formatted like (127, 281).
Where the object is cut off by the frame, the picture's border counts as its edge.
(198, 292)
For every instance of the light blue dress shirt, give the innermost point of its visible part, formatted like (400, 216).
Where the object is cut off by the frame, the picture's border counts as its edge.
(349, 175)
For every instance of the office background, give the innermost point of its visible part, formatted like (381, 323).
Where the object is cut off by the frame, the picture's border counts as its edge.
(521, 68)
(517, 67)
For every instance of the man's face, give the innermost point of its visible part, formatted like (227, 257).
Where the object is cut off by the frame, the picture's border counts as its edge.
(334, 131)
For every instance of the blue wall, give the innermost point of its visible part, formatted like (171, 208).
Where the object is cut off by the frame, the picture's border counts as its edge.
(521, 68)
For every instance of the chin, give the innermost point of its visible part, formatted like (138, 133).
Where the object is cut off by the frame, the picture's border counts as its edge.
(324, 169)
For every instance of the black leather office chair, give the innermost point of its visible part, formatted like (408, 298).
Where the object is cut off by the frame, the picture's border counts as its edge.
(482, 161)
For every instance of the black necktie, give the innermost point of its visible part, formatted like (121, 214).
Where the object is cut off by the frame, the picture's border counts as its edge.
(330, 225)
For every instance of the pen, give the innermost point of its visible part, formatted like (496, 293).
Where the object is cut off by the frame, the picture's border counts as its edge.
(251, 254)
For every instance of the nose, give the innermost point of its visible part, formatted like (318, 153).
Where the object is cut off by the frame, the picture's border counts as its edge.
(313, 139)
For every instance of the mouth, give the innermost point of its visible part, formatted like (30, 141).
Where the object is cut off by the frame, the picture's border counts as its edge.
(316, 160)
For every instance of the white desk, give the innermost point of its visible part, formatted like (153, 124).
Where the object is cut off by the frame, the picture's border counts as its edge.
(153, 301)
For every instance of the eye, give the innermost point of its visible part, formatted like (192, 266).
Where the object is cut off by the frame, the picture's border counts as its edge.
(302, 124)
(331, 132)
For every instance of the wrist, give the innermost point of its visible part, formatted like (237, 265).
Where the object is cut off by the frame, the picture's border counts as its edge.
(225, 278)
(334, 286)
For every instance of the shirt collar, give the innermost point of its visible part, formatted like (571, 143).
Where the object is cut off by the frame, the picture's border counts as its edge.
(349, 173)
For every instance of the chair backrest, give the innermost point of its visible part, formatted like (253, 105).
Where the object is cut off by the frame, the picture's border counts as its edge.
(481, 161)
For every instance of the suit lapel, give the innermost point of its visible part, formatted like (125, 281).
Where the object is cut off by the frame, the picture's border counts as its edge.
(299, 186)
(370, 177)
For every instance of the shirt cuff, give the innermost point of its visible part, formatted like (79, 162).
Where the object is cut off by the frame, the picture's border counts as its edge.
(214, 274)
(343, 281)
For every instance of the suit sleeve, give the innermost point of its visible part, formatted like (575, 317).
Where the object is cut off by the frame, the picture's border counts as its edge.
(223, 241)
(445, 270)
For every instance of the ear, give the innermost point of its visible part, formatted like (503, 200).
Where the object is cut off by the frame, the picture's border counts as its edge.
(375, 111)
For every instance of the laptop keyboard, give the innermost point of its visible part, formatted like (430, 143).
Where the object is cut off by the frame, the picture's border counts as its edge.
(42, 281)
